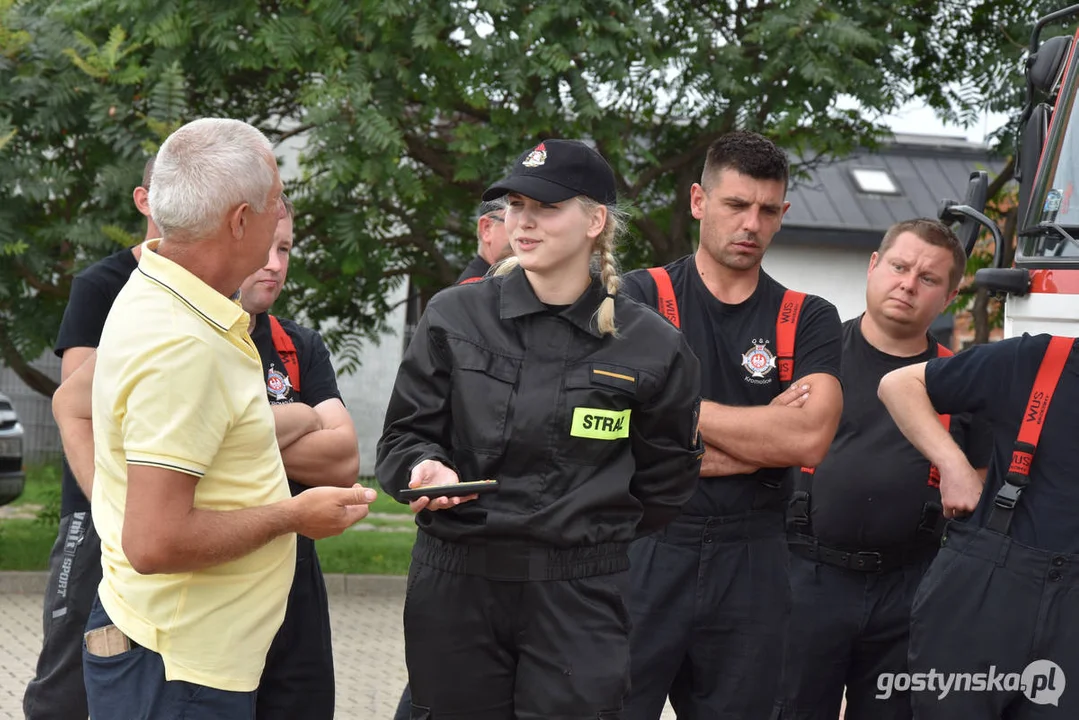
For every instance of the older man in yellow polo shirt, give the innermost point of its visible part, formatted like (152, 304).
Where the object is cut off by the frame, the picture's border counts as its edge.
(189, 497)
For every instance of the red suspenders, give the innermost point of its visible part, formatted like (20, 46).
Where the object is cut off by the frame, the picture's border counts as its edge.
(1018, 476)
(466, 281)
(282, 342)
(786, 323)
(666, 302)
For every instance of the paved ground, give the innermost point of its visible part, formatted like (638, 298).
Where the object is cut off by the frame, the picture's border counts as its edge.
(368, 643)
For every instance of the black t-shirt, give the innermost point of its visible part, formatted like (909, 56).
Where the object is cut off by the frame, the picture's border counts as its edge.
(871, 488)
(996, 380)
(318, 381)
(721, 336)
(92, 293)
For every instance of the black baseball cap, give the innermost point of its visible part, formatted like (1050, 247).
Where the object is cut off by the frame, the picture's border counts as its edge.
(557, 170)
(488, 207)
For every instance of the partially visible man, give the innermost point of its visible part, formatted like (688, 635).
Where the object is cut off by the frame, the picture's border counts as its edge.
(493, 244)
(190, 496)
(865, 523)
(57, 692)
(319, 447)
(993, 630)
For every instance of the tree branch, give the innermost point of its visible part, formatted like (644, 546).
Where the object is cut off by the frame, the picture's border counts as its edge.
(35, 379)
(292, 133)
(36, 283)
(423, 152)
(1003, 178)
(691, 154)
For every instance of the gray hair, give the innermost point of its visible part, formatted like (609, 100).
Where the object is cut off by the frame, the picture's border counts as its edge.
(205, 168)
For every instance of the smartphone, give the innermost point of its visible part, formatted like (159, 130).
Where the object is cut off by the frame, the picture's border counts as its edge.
(478, 487)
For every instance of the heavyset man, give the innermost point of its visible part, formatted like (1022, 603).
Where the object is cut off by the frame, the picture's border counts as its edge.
(865, 523)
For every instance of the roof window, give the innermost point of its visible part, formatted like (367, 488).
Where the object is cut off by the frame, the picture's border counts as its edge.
(874, 181)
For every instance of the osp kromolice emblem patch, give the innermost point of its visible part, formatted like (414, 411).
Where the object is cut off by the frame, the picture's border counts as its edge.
(278, 386)
(759, 361)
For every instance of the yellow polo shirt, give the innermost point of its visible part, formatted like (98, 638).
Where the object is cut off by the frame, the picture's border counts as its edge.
(179, 385)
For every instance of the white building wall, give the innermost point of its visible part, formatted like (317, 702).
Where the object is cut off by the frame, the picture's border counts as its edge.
(835, 274)
(366, 392)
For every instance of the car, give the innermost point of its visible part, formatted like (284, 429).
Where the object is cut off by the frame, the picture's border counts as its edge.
(12, 473)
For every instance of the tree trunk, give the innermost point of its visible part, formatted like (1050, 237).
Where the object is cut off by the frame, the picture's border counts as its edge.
(34, 378)
(979, 311)
(979, 314)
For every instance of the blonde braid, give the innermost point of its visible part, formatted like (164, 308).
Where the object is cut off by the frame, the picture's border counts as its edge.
(609, 277)
(504, 267)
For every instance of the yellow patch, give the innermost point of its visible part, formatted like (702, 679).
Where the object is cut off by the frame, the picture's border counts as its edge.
(600, 424)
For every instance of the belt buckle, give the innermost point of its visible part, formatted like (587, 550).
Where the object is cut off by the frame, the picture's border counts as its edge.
(869, 561)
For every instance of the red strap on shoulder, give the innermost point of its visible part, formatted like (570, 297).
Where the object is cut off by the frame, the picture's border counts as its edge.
(284, 346)
(945, 420)
(466, 281)
(1045, 384)
(786, 326)
(666, 303)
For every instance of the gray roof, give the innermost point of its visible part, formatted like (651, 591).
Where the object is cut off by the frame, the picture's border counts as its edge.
(830, 209)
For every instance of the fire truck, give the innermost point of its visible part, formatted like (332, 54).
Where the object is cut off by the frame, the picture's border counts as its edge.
(1042, 285)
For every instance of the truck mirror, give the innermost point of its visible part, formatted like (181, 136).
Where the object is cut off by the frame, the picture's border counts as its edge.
(968, 213)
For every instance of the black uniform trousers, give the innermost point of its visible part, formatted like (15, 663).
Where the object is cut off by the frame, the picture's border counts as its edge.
(991, 605)
(57, 691)
(298, 680)
(504, 631)
(710, 601)
(404, 705)
(846, 627)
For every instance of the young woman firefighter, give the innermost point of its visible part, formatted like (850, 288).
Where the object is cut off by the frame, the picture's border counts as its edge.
(582, 404)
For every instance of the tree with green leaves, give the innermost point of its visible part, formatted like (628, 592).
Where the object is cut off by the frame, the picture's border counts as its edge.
(407, 110)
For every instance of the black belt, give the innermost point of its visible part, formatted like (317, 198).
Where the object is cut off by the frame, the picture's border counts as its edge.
(868, 561)
(520, 561)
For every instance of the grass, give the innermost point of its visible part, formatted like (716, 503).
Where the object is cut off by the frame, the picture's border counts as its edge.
(366, 553)
(25, 544)
(384, 503)
(42, 488)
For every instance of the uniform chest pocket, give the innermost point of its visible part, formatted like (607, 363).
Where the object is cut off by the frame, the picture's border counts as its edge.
(598, 411)
(483, 387)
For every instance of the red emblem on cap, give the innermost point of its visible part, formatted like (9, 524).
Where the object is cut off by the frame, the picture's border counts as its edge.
(537, 157)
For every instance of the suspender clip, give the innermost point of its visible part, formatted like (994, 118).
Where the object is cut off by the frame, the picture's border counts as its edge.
(1008, 496)
(799, 508)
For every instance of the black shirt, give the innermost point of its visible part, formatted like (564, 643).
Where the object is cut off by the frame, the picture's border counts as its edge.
(93, 292)
(721, 335)
(476, 268)
(871, 488)
(996, 380)
(592, 438)
(318, 381)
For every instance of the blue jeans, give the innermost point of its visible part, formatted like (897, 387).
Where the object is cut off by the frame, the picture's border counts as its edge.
(132, 686)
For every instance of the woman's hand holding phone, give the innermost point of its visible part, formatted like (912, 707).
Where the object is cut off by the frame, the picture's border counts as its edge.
(433, 475)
